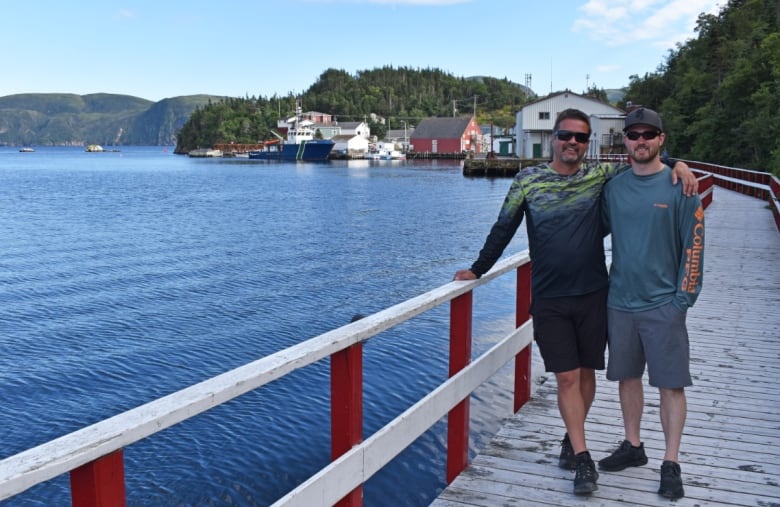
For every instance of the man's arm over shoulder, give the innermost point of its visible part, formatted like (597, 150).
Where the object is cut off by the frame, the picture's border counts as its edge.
(681, 171)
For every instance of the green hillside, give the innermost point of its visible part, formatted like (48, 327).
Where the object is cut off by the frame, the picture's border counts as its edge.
(64, 119)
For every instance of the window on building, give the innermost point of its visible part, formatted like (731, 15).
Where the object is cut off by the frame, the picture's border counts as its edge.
(544, 115)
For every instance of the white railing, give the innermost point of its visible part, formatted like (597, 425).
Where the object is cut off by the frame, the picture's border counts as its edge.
(93, 455)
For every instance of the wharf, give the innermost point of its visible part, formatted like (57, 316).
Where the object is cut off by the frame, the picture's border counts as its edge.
(730, 453)
(497, 167)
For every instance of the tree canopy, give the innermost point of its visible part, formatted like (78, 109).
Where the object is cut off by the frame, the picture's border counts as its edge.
(719, 94)
(397, 94)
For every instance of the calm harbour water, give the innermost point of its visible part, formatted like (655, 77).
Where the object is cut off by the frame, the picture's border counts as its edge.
(125, 276)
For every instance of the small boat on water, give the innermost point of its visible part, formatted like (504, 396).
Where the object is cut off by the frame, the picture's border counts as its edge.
(384, 151)
(300, 144)
(94, 148)
(204, 153)
(392, 155)
(26, 150)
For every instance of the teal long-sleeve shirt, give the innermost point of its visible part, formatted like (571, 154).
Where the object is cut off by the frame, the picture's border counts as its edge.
(657, 242)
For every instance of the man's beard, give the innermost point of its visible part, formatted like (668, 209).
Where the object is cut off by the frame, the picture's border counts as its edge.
(648, 153)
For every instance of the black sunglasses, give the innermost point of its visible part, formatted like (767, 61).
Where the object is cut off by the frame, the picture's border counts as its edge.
(565, 135)
(648, 134)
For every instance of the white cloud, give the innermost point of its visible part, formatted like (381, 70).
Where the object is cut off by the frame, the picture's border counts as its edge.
(660, 22)
(395, 2)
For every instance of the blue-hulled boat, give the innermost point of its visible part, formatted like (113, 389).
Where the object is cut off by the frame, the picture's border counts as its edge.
(300, 144)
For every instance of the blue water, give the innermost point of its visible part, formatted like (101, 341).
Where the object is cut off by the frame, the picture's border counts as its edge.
(125, 276)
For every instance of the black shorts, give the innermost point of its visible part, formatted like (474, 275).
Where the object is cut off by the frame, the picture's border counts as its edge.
(571, 331)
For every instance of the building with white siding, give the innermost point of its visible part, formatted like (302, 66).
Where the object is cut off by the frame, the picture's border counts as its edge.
(354, 145)
(535, 123)
(357, 128)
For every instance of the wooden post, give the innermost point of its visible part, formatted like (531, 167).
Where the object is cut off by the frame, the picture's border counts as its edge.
(523, 358)
(346, 399)
(460, 357)
(99, 483)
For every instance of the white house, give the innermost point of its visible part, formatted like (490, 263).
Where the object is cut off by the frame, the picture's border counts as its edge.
(350, 144)
(358, 128)
(535, 123)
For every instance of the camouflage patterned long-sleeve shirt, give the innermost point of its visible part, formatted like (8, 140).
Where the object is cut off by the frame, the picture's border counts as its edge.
(565, 233)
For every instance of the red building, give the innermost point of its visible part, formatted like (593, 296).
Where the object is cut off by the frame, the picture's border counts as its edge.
(446, 135)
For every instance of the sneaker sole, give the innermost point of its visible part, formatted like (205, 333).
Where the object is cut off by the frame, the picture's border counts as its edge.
(672, 493)
(586, 489)
(635, 463)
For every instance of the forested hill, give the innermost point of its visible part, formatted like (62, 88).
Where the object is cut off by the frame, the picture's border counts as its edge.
(397, 94)
(61, 119)
(719, 94)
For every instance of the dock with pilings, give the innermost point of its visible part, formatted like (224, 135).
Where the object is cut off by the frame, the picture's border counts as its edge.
(505, 167)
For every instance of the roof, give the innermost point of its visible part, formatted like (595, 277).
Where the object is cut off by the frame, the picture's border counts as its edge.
(553, 97)
(344, 137)
(398, 133)
(350, 124)
(448, 128)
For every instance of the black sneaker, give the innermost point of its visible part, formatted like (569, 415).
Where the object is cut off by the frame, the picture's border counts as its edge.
(567, 461)
(671, 480)
(586, 475)
(625, 456)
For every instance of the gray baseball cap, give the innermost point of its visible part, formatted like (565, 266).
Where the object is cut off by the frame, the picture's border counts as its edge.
(643, 116)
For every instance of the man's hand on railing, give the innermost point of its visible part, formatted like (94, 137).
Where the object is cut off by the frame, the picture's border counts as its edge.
(464, 274)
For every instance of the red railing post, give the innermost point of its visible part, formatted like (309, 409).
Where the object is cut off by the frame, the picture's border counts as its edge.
(523, 358)
(346, 408)
(99, 483)
(460, 356)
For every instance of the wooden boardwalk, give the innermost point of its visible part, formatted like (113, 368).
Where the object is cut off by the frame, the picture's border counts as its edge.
(730, 453)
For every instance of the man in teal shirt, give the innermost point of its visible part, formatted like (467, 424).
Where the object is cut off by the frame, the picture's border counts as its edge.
(656, 275)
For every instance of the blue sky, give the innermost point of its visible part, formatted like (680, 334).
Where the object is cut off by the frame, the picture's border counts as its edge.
(156, 50)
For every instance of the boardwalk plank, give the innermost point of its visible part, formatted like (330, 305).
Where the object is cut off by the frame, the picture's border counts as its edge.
(730, 454)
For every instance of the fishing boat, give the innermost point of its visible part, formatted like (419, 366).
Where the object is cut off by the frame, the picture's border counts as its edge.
(391, 155)
(300, 143)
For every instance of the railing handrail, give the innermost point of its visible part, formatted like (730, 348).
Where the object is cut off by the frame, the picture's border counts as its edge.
(68, 452)
(760, 184)
(365, 459)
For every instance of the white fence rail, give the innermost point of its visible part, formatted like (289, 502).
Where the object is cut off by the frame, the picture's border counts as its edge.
(64, 454)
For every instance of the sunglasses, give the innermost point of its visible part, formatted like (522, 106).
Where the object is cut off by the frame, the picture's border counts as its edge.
(565, 135)
(647, 135)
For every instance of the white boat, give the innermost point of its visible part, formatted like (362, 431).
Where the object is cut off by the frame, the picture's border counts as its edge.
(384, 151)
(94, 148)
(205, 153)
(26, 150)
(392, 155)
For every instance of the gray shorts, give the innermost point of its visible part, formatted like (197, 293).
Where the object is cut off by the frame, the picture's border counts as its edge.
(658, 338)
